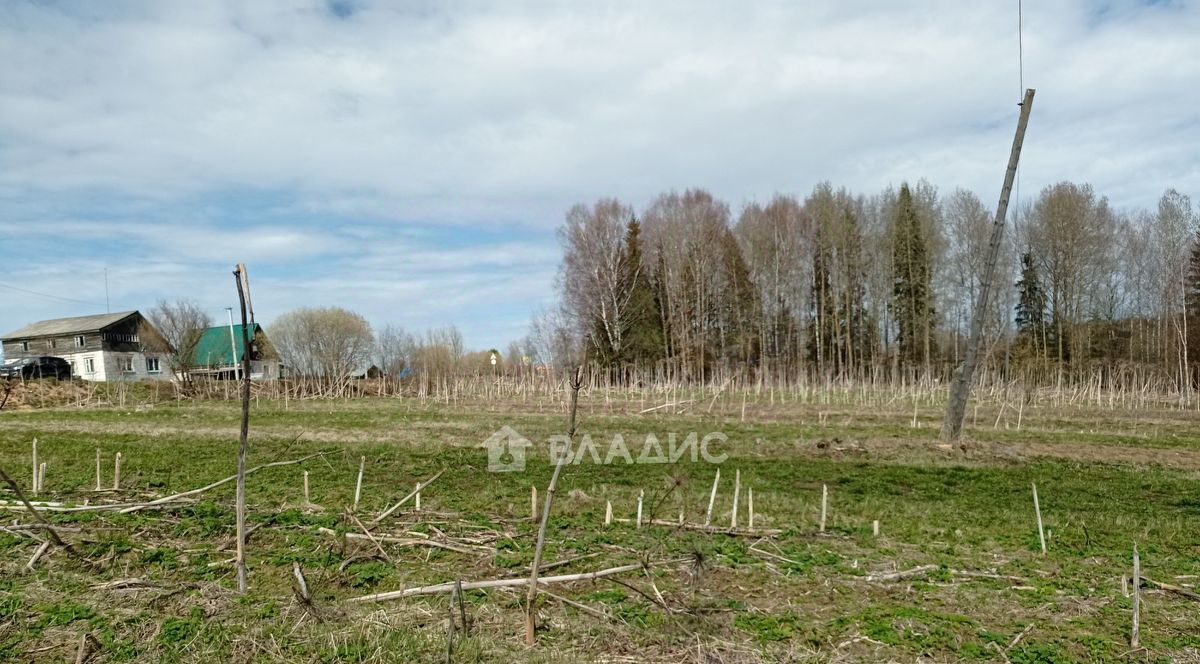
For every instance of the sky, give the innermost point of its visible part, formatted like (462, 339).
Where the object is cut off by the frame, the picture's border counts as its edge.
(411, 161)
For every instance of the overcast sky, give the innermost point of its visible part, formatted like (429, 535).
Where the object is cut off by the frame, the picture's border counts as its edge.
(411, 161)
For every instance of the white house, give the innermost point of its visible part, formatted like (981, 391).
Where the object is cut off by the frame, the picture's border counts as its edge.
(104, 347)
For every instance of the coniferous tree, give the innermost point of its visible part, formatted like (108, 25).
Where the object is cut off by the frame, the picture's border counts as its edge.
(640, 323)
(741, 310)
(1193, 277)
(821, 327)
(1032, 329)
(1192, 301)
(912, 290)
(644, 343)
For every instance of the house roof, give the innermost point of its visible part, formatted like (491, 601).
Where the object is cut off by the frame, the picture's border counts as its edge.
(64, 326)
(214, 348)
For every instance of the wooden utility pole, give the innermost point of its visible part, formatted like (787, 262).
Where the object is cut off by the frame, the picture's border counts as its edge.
(960, 387)
(243, 289)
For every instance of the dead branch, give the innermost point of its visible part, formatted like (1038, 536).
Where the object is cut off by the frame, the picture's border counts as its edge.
(367, 532)
(905, 574)
(122, 584)
(410, 541)
(388, 512)
(88, 645)
(440, 588)
(583, 607)
(1182, 592)
(565, 562)
(37, 554)
(159, 501)
(53, 534)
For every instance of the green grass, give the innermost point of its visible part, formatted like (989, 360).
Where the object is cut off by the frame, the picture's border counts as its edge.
(808, 599)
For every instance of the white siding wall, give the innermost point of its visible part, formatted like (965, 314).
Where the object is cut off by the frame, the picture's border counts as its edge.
(108, 366)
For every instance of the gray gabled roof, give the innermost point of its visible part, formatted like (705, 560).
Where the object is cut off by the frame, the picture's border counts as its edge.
(63, 326)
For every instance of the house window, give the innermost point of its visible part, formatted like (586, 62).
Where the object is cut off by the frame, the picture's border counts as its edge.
(79, 341)
(125, 364)
(152, 365)
(25, 345)
(52, 344)
(89, 365)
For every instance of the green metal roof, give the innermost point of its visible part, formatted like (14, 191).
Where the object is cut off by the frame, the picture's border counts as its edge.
(214, 348)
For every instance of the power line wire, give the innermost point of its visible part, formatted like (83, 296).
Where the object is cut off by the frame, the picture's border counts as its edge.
(53, 297)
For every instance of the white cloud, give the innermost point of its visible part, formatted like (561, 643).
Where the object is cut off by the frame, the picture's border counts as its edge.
(398, 121)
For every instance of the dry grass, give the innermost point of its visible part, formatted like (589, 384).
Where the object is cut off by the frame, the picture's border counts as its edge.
(805, 599)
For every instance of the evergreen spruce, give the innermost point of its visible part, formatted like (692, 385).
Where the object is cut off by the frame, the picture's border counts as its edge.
(912, 291)
(1032, 329)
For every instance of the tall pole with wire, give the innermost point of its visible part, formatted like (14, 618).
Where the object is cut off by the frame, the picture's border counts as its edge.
(960, 387)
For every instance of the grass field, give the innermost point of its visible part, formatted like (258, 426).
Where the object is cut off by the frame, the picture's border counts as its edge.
(1106, 480)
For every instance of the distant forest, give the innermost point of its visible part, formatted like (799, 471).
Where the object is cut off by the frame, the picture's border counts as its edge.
(841, 285)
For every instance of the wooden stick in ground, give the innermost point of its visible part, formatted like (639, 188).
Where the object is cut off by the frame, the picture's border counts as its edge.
(750, 508)
(307, 502)
(417, 497)
(824, 504)
(712, 498)
(462, 610)
(242, 281)
(388, 512)
(450, 621)
(362, 464)
(33, 483)
(1135, 632)
(42, 476)
(99, 485)
(641, 497)
(533, 503)
(530, 604)
(737, 490)
(206, 487)
(875, 528)
(608, 513)
(1038, 511)
(117, 472)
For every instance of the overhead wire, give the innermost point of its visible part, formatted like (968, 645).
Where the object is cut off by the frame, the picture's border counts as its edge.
(1020, 95)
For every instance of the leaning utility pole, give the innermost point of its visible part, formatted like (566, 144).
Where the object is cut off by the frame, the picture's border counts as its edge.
(960, 387)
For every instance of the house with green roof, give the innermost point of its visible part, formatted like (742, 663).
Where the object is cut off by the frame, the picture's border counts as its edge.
(220, 350)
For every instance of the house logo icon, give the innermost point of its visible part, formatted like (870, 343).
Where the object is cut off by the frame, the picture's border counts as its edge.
(506, 450)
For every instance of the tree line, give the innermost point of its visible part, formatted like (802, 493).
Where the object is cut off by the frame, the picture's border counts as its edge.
(325, 347)
(844, 285)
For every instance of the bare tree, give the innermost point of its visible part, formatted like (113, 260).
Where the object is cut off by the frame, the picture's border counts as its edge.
(777, 242)
(394, 350)
(1071, 234)
(593, 284)
(327, 343)
(181, 324)
(968, 230)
